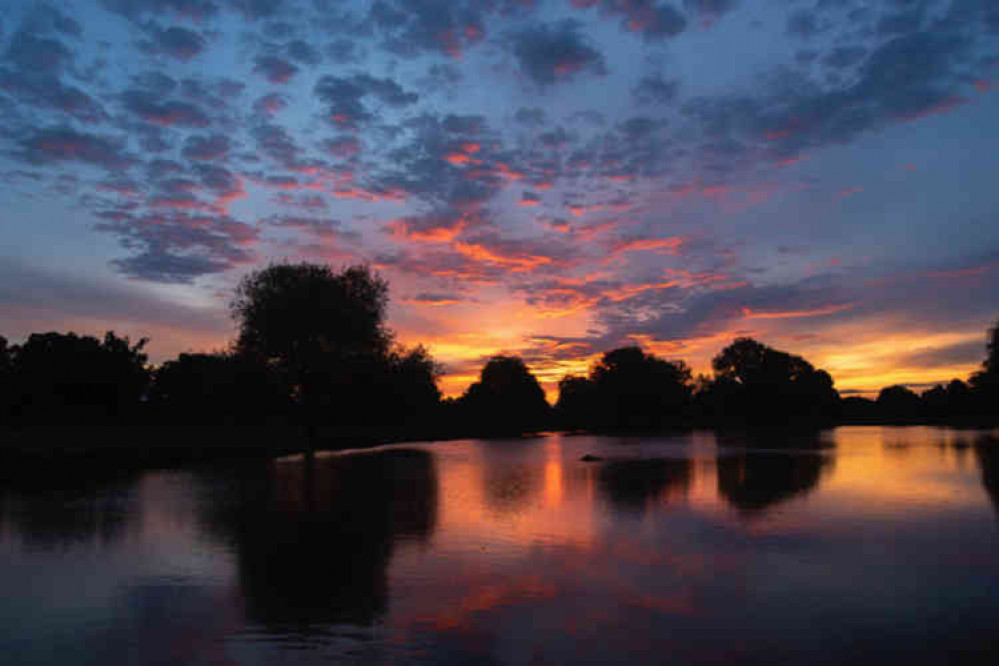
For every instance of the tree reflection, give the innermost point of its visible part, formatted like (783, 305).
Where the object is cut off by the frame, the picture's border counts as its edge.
(314, 539)
(987, 454)
(57, 509)
(755, 481)
(631, 484)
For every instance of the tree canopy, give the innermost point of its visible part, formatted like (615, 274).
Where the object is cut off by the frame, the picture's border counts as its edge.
(507, 398)
(71, 377)
(292, 314)
(758, 385)
(325, 334)
(627, 389)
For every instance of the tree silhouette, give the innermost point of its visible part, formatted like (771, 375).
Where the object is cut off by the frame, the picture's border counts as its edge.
(942, 403)
(6, 381)
(638, 391)
(577, 402)
(985, 382)
(69, 378)
(506, 399)
(216, 389)
(324, 333)
(898, 404)
(757, 385)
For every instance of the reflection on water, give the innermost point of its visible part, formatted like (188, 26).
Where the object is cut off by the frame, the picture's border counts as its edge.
(987, 452)
(756, 480)
(313, 539)
(55, 512)
(859, 545)
(635, 484)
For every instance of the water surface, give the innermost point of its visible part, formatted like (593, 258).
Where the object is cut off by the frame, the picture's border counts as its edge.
(859, 545)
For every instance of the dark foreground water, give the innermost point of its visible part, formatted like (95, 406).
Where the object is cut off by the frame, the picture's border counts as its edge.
(882, 547)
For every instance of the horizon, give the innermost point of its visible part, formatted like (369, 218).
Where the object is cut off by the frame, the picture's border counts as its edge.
(546, 179)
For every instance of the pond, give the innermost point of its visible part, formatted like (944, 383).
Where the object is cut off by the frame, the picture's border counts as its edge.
(857, 545)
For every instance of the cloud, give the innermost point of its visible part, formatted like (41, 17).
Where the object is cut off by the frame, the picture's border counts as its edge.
(275, 142)
(176, 42)
(532, 117)
(179, 246)
(344, 146)
(46, 91)
(434, 299)
(212, 147)
(345, 97)
(303, 53)
(30, 52)
(750, 313)
(944, 357)
(550, 53)
(803, 24)
(274, 69)
(324, 229)
(64, 144)
(655, 89)
(270, 104)
(414, 26)
(653, 20)
(709, 10)
(33, 298)
(152, 109)
(46, 18)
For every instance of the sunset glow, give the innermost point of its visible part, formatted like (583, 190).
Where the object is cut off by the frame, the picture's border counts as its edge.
(546, 179)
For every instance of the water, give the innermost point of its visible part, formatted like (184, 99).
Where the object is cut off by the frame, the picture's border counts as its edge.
(862, 545)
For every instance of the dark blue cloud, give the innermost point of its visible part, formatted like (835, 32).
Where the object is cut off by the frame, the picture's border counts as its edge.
(653, 20)
(64, 144)
(175, 41)
(346, 97)
(275, 69)
(655, 89)
(212, 147)
(550, 53)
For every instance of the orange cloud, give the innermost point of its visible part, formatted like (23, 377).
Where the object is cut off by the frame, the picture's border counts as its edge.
(518, 263)
(749, 313)
(670, 245)
(631, 290)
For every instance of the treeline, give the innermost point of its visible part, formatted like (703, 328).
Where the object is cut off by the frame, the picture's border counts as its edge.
(313, 351)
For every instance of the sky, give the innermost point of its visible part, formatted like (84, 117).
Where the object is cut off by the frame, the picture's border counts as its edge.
(547, 178)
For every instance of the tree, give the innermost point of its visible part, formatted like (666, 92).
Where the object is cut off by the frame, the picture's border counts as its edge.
(576, 403)
(67, 378)
(506, 399)
(898, 404)
(985, 382)
(413, 376)
(758, 385)
(217, 388)
(638, 391)
(6, 381)
(317, 328)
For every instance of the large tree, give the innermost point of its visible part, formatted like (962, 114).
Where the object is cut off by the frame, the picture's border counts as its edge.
(6, 381)
(68, 377)
(506, 399)
(985, 382)
(639, 391)
(758, 385)
(217, 388)
(324, 332)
